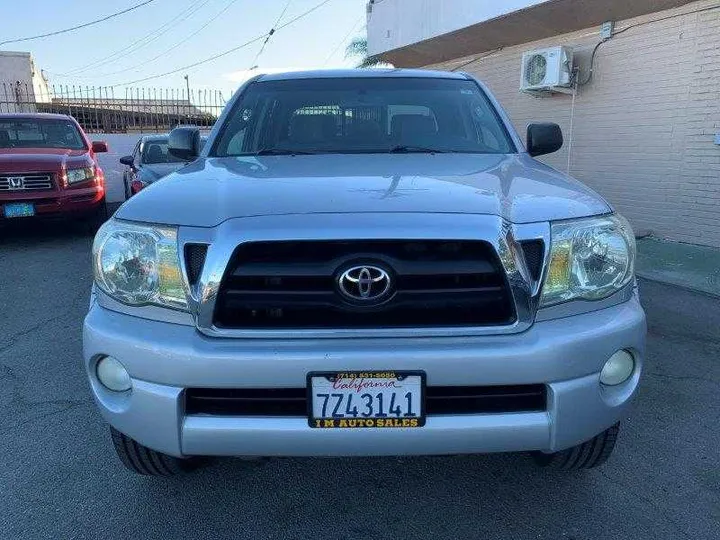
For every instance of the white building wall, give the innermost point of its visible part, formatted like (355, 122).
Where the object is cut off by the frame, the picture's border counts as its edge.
(21, 80)
(644, 129)
(15, 67)
(424, 19)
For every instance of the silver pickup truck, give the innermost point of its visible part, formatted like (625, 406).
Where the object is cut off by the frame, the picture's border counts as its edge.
(364, 263)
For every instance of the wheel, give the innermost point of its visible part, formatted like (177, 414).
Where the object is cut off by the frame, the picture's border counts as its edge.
(142, 460)
(97, 218)
(587, 455)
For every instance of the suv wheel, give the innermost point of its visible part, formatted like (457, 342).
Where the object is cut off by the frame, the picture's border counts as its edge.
(587, 455)
(97, 218)
(142, 460)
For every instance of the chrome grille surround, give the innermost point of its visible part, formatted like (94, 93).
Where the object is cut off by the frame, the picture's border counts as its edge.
(26, 182)
(504, 236)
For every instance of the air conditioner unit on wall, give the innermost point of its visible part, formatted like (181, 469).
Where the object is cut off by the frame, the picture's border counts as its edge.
(546, 69)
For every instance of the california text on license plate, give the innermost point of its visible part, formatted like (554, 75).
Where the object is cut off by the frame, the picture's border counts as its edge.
(366, 399)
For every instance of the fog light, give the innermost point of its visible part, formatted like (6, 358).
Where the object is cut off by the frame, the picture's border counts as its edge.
(617, 369)
(113, 375)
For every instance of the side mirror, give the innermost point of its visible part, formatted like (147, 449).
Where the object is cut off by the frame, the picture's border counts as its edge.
(184, 143)
(127, 160)
(99, 147)
(544, 138)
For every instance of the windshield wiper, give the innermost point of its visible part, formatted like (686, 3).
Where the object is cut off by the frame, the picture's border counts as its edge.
(408, 149)
(280, 152)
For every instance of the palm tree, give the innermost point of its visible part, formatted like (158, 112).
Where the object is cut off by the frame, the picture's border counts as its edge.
(358, 47)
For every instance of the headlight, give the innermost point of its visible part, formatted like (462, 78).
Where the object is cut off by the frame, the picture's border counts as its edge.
(139, 264)
(590, 259)
(79, 175)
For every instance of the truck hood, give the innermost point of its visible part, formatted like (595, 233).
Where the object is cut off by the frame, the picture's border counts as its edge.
(212, 190)
(150, 173)
(20, 160)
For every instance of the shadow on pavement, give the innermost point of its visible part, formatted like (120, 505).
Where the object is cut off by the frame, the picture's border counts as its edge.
(31, 231)
(415, 497)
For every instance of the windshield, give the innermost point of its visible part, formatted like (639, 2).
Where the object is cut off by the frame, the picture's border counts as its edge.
(359, 115)
(32, 133)
(156, 151)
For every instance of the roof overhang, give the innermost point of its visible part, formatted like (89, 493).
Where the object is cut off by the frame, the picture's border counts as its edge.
(551, 18)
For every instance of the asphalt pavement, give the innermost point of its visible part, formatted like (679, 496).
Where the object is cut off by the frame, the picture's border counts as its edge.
(59, 477)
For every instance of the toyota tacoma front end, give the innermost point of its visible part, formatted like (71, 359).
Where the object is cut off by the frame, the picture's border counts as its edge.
(364, 263)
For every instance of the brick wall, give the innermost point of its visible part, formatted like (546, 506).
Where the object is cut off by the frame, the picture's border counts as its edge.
(644, 127)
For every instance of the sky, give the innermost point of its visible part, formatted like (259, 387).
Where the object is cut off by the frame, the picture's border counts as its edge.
(124, 49)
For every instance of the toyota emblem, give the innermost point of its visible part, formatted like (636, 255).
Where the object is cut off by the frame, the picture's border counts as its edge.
(364, 283)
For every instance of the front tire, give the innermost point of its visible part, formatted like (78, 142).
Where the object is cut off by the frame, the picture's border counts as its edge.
(145, 461)
(97, 218)
(587, 455)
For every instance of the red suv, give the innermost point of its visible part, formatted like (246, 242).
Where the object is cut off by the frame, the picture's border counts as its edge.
(48, 167)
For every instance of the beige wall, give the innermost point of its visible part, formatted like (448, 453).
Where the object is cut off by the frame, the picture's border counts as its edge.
(644, 128)
(18, 74)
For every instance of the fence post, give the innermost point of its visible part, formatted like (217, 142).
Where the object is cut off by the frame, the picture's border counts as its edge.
(107, 113)
(131, 114)
(87, 113)
(103, 110)
(16, 91)
(74, 96)
(204, 109)
(164, 111)
(129, 123)
(173, 103)
(136, 119)
(23, 100)
(213, 111)
(153, 111)
(99, 109)
(137, 111)
(114, 117)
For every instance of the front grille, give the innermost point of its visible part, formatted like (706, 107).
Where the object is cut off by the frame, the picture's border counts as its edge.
(29, 182)
(282, 285)
(485, 399)
(439, 400)
(246, 402)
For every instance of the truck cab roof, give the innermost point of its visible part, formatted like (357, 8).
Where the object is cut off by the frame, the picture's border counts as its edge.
(362, 74)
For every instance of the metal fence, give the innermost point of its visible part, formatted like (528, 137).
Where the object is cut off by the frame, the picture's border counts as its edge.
(102, 109)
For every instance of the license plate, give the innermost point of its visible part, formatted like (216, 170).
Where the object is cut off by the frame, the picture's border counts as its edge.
(367, 399)
(13, 210)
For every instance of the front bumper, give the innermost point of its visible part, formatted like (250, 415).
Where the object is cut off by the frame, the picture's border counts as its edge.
(565, 354)
(67, 203)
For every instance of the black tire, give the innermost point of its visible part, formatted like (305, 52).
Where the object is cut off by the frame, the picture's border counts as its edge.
(97, 218)
(142, 460)
(587, 455)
